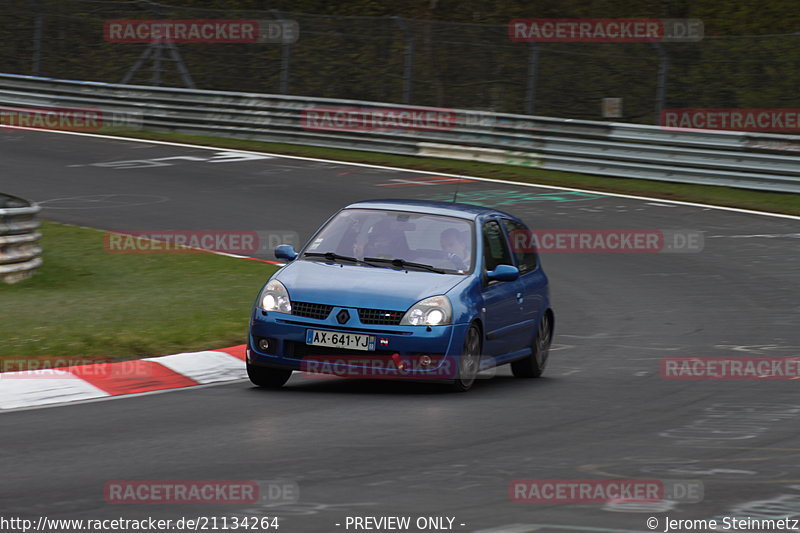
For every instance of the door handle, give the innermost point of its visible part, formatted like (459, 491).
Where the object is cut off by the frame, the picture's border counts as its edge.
(519, 298)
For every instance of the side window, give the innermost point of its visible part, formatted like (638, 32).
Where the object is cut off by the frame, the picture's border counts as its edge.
(495, 247)
(520, 238)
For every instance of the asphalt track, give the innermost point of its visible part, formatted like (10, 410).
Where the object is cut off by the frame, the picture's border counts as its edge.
(371, 449)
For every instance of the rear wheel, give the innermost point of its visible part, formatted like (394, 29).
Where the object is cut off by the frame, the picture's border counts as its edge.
(533, 365)
(469, 361)
(269, 378)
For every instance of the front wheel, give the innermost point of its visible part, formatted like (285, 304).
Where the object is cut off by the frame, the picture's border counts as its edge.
(533, 365)
(469, 361)
(269, 378)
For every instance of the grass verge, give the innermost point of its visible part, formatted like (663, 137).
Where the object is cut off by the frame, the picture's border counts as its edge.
(87, 302)
(774, 202)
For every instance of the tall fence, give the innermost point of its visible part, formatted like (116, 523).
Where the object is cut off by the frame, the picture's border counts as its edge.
(737, 159)
(19, 249)
(413, 62)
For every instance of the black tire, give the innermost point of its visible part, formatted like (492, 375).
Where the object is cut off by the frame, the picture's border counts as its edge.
(269, 378)
(533, 365)
(469, 361)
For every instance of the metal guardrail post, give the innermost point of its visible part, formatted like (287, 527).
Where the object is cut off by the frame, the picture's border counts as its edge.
(408, 60)
(38, 26)
(661, 84)
(19, 248)
(533, 72)
(286, 58)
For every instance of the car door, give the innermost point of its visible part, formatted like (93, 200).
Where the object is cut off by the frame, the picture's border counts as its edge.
(531, 278)
(502, 312)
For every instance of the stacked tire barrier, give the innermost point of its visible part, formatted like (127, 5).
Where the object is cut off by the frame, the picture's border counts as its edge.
(19, 239)
(760, 161)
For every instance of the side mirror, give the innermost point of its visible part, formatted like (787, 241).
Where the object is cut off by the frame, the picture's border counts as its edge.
(285, 251)
(503, 273)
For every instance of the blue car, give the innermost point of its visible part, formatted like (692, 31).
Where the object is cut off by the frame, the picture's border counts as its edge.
(404, 289)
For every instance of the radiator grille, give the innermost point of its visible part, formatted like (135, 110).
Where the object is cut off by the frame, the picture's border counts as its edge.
(380, 316)
(309, 310)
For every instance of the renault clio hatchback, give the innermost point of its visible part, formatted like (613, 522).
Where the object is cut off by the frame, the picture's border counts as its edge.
(404, 289)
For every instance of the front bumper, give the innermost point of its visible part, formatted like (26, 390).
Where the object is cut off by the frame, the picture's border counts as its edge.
(418, 352)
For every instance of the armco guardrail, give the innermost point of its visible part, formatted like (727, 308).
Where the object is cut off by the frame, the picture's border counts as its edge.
(736, 159)
(19, 239)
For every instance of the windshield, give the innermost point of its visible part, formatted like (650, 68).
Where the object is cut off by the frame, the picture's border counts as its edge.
(445, 243)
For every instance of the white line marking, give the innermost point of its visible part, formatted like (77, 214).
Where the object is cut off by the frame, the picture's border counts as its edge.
(397, 169)
(510, 528)
(521, 528)
(758, 236)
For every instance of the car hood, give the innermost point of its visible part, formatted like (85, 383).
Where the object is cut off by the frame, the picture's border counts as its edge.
(347, 285)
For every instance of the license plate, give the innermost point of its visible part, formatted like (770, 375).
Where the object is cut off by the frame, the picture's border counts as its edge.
(335, 339)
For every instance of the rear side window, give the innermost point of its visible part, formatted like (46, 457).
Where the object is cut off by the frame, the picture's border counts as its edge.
(495, 247)
(524, 253)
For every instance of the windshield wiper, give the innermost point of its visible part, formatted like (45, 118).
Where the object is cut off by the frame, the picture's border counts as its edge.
(398, 263)
(402, 263)
(331, 256)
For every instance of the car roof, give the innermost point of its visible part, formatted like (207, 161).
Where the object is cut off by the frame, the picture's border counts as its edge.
(468, 211)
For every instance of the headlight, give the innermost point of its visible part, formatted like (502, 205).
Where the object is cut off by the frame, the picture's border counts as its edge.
(275, 297)
(433, 311)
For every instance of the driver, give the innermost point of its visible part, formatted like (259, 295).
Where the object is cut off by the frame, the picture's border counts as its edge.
(454, 244)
